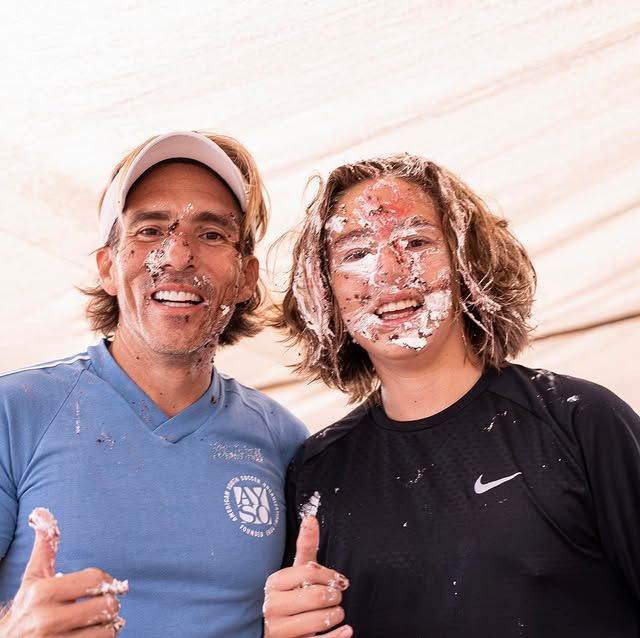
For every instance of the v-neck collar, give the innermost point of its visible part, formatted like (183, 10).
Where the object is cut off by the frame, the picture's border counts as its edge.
(169, 429)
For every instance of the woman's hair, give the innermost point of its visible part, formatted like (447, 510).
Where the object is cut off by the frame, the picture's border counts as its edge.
(492, 280)
(102, 308)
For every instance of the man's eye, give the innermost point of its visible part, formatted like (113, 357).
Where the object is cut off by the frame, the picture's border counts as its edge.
(149, 232)
(213, 235)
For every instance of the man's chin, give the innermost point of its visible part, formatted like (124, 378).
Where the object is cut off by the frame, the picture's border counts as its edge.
(182, 348)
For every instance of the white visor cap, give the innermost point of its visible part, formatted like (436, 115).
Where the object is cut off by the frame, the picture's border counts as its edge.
(177, 145)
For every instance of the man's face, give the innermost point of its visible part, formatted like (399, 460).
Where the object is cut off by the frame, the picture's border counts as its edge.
(390, 268)
(177, 270)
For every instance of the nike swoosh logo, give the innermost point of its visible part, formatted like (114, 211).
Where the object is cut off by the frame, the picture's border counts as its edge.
(481, 488)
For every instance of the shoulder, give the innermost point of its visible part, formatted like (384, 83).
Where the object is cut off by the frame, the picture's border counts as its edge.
(43, 384)
(569, 402)
(332, 437)
(535, 387)
(30, 399)
(287, 431)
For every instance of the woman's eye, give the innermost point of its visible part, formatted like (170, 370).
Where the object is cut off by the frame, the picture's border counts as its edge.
(356, 255)
(418, 242)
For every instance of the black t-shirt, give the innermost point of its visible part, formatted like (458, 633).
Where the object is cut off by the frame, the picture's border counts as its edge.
(513, 512)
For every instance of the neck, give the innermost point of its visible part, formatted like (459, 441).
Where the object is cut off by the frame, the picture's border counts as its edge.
(172, 382)
(427, 384)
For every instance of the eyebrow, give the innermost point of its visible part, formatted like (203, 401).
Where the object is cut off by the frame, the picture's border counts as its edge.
(227, 221)
(354, 234)
(418, 222)
(145, 216)
(411, 222)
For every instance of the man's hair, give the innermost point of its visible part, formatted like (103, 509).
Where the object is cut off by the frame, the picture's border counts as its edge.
(102, 308)
(492, 277)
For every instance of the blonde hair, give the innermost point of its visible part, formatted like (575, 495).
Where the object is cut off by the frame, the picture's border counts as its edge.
(493, 279)
(102, 308)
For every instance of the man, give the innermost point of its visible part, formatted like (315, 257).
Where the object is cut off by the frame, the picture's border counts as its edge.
(466, 496)
(158, 469)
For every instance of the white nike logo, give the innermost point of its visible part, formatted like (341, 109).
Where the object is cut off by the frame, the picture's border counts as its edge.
(481, 488)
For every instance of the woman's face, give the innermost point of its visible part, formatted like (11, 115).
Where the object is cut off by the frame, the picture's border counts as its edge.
(390, 267)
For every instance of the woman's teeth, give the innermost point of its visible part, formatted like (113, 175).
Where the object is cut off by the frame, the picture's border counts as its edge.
(396, 306)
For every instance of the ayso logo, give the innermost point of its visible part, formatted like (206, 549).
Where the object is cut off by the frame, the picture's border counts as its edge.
(252, 503)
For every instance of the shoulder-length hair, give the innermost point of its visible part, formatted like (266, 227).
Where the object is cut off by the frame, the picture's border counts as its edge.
(102, 308)
(493, 279)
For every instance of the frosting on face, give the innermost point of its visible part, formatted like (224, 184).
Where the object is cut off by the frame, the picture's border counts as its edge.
(177, 270)
(308, 286)
(389, 263)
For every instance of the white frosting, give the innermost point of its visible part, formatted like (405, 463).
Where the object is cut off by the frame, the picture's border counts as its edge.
(310, 508)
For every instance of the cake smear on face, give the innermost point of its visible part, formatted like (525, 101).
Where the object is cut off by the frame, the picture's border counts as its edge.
(389, 264)
(308, 287)
(179, 270)
(156, 265)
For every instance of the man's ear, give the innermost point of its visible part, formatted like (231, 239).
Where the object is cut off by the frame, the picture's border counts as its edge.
(106, 269)
(250, 273)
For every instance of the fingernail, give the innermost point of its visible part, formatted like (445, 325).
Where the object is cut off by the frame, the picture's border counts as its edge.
(118, 624)
(339, 582)
(346, 632)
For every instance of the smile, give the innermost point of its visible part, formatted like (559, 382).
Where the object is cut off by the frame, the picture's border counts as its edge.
(397, 309)
(177, 298)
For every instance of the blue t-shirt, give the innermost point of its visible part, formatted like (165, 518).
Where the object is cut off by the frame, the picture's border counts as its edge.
(189, 509)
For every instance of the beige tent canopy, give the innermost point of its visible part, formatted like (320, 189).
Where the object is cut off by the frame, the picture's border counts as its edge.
(534, 104)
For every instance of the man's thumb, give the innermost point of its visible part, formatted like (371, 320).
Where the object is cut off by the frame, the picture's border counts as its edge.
(42, 563)
(308, 541)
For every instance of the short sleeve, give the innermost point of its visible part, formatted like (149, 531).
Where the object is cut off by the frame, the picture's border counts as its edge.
(8, 491)
(609, 434)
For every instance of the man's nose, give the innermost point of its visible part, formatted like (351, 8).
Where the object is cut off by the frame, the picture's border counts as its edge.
(391, 266)
(179, 253)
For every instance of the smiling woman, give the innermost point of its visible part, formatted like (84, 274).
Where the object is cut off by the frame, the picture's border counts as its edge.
(383, 220)
(463, 481)
(391, 279)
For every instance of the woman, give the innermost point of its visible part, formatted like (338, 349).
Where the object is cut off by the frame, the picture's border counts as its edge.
(465, 495)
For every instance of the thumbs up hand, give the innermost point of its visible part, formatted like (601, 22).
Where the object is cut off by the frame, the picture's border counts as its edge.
(81, 604)
(305, 599)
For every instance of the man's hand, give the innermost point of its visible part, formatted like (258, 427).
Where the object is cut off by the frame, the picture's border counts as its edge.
(81, 604)
(302, 600)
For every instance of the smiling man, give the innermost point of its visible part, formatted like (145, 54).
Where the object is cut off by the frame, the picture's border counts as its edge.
(466, 496)
(159, 470)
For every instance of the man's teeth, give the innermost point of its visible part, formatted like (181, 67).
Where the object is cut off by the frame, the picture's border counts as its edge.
(397, 305)
(179, 296)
